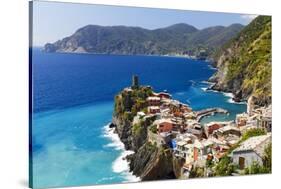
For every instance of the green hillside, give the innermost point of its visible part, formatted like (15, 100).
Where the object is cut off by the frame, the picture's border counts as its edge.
(244, 63)
(179, 38)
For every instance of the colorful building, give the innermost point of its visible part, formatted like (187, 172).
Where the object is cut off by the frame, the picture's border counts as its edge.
(153, 101)
(251, 150)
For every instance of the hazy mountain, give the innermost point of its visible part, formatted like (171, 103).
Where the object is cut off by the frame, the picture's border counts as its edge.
(176, 39)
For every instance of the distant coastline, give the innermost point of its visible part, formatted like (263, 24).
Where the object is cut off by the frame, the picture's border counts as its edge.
(153, 55)
(177, 39)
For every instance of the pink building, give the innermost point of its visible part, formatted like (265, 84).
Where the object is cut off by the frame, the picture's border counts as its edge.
(153, 101)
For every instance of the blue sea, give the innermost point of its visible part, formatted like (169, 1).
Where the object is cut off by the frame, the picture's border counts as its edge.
(73, 103)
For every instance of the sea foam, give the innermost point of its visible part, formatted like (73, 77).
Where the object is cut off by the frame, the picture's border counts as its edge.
(204, 88)
(230, 98)
(116, 142)
(120, 165)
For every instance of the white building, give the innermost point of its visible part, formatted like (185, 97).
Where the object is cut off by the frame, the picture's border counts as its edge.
(251, 150)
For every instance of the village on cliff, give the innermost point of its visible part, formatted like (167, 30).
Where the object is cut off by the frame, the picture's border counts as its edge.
(201, 147)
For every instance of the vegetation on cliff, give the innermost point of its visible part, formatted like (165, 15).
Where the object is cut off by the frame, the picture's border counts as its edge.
(139, 131)
(128, 103)
(149, 162)
(252, 133)
(244, 63)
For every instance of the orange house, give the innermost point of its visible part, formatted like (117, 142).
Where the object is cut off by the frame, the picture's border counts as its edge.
(164, 125)
(210, 128)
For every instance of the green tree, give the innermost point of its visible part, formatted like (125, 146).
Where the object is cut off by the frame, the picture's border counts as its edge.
(153, 128)
(255, 168)
(267, 158)
(224, 167)
(253, 132)
(196, 172)
(136, 128)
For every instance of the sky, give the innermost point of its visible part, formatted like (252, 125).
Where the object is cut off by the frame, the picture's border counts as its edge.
(53, 20)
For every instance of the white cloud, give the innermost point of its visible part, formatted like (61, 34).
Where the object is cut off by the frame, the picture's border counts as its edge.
(249, 17)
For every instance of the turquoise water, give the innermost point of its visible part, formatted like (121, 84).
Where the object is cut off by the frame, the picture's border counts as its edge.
(198, 98)
(73, 102)
(76, 147)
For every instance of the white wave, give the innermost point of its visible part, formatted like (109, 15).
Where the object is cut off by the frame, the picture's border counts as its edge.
(230, 98)
(212, 67)
(116, 142)
(204, 88)
(131, 178)
(233, 102)
(214, 91)
(207, 82)
(230, 95)
(120, 165)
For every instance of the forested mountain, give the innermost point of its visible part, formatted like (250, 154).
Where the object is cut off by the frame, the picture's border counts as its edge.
(176, 39)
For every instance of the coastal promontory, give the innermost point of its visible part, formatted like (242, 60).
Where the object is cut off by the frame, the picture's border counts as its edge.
(169, 141)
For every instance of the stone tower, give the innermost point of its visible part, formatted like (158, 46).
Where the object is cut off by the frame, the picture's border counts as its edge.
(135, 82)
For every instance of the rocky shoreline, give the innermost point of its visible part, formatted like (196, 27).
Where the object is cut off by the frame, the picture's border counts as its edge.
(237, 98)
(243, 70)
(148, 162)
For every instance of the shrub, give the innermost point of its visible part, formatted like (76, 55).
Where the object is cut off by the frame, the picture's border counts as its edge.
(128, 116)
(253, 132)
(255, 168)
(153, 128)
(267, 158)
(196, 172)
(224, 167)
(136, 128)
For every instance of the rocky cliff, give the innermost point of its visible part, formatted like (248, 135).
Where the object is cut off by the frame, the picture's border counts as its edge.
(149, 162)
(152, 163)
(127, 104)
(244, 63)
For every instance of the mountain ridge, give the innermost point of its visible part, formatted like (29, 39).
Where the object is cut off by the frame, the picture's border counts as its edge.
(179, 38)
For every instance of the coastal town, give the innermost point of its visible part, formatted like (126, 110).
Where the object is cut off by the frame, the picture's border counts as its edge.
(201, 148)
(125, 94)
